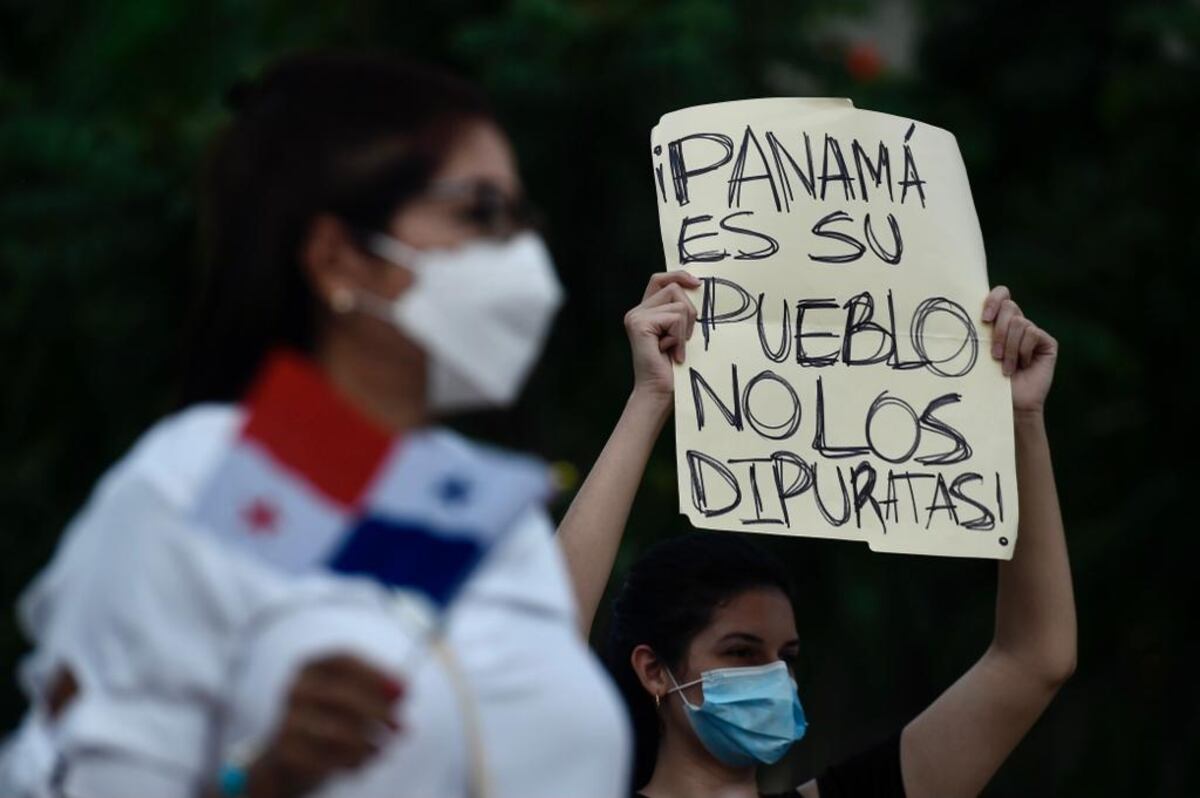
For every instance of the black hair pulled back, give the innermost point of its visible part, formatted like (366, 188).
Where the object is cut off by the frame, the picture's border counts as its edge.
(668, 597)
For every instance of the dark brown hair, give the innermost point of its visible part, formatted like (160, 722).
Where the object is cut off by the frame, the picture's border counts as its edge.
(347, 134)
(668, 597)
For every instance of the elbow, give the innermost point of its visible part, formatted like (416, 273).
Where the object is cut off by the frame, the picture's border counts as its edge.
(1049, 668)
(1059, 660)
(1057, 670)
(1047, 680)
(1050, 673)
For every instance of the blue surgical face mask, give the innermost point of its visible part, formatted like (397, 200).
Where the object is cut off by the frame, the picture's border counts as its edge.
(749, 715)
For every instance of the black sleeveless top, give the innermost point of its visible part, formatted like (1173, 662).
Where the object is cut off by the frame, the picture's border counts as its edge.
(873, 773)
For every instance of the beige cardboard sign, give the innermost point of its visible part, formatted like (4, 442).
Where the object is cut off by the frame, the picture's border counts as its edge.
(839, 382)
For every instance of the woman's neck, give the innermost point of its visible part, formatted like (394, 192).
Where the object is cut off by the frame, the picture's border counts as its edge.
(685, 769)
(391, 394)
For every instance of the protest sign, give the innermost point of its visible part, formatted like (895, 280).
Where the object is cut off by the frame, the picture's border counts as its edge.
(839, 383)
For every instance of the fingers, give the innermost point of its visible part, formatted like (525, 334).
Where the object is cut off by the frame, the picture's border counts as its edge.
(663, 279)
(1016, 341)
(1024, 343)
(993, 301)
(346, 685)
(680, 330)
(311, 746)
(671, 324)
(1008, 311)
(673, 294)
(337, 740)
(1017, 329)
(351, 670)
(1029, 343)
(348, 701)
(658, 329)
(1039, 343)
(338, 708)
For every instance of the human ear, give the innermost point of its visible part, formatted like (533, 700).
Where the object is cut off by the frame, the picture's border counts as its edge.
(333, 260)
(651, 671)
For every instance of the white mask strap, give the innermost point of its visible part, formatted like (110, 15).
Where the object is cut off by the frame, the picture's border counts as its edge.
(370, 304)
(679, 688)
(394, 250)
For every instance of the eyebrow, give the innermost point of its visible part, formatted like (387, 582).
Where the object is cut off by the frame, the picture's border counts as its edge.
(746, 637)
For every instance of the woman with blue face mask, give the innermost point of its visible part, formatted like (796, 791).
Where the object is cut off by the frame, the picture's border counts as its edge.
(703, 637)
(301, 584)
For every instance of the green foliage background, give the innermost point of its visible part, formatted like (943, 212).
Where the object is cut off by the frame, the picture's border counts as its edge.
(1076, 123)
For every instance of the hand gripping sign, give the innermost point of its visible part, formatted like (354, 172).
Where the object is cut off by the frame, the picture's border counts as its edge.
(838, 384)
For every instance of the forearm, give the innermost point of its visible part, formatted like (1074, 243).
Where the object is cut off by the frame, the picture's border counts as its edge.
(954, 746)
(591, 531)
(1035, 604)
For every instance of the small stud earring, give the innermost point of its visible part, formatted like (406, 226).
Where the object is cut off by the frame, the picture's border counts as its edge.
(341, 300)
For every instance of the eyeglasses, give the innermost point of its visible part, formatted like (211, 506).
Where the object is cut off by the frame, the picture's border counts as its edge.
(485, 206)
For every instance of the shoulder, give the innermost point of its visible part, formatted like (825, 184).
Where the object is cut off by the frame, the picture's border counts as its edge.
(179, 453)
(131, 579)
(170, 461)
(137, 605)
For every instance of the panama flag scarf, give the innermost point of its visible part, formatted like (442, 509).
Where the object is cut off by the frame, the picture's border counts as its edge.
(311, 483)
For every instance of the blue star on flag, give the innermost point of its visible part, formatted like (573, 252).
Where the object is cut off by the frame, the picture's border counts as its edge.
(454, 490)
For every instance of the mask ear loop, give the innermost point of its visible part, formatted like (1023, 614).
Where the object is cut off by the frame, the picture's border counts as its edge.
(678, 688)
(394, 251)
(344, 300)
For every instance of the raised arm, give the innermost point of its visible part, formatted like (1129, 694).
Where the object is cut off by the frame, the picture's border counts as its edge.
(953, 747)
(591, 531)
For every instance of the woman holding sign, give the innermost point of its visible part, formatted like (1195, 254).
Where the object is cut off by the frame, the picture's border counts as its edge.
(299, 585)
(703, 627)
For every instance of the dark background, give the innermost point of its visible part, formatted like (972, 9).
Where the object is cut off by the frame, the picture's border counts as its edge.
(1077, 124)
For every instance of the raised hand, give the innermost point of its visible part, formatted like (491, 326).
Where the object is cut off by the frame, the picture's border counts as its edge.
(659, 328)
(1027, 352)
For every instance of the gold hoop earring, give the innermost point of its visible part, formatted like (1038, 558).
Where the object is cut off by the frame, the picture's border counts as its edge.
(657, 701)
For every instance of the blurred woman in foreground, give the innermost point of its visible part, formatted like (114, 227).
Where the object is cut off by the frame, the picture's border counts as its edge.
(370, 269)
(703, 629)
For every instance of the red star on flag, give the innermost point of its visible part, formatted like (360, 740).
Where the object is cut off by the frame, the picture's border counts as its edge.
(261, 516)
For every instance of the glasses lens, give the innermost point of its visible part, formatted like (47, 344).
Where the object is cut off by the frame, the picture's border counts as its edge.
(491, 210)
(487, 207)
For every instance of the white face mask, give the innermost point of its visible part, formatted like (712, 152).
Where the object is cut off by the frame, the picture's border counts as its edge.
(481, 313)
